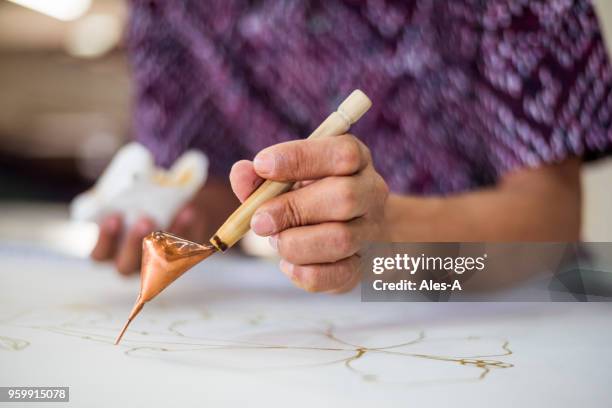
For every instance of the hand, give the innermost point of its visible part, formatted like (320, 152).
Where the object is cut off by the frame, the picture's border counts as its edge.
(125, 247)
(318, 227)
(194, 221)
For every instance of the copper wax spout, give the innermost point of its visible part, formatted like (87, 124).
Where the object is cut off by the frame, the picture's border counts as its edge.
(165, 257)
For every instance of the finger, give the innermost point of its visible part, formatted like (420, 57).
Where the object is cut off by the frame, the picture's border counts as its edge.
(110, 229)
(349, 285)
(130, 252)
(329, 199)
(312, 158)
(322, 243)
(184, 220)
(322, 277)
(244, 179)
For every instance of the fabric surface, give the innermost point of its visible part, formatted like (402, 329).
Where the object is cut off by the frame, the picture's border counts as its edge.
(464, 90)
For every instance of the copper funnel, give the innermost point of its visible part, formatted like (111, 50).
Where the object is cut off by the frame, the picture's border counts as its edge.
(165, 257)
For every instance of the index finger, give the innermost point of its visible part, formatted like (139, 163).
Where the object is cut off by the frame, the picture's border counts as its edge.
(105, 247)
(312, 158)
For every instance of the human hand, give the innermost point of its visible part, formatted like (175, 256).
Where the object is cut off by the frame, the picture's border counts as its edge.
(124, 247)
(337, 205)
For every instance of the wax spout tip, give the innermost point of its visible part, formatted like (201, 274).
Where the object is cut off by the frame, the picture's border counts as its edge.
(120, 336)
(137, 308)
(117, 340)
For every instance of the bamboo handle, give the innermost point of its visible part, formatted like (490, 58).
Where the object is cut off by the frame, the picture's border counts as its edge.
(337, 123)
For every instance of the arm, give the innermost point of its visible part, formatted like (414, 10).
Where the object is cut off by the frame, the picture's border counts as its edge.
(541, 204)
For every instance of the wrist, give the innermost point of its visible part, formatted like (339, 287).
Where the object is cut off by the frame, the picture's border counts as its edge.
(413, 219)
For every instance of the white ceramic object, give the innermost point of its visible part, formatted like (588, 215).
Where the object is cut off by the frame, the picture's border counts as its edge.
(133, 186)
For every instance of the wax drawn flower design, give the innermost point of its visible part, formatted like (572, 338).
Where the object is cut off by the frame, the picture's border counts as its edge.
(383, 353)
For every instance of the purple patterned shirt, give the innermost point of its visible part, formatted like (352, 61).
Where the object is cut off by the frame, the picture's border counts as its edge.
(464, 90)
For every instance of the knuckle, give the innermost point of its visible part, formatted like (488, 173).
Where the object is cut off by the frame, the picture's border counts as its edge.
(348, 155)
(344, 240)
(292, 214)
(367, 154)
(347, 199)
(364, 150)
(346, 271)
(382, 186)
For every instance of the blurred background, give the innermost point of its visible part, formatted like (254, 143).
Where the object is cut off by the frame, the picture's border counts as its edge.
(65, 110)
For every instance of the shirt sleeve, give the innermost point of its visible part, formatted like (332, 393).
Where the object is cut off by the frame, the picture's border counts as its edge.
(545, 88)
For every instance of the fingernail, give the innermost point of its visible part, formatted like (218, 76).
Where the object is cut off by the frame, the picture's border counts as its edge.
(287, 268)
(273, 241)
(264, 163)
(262, 224)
